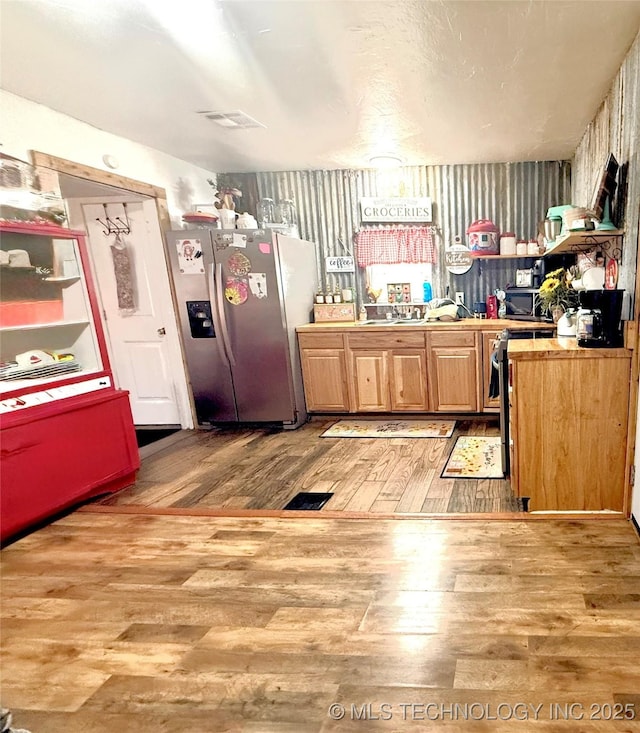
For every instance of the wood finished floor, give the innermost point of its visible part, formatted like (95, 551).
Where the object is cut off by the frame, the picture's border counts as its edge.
(262, 469)
(175, 624)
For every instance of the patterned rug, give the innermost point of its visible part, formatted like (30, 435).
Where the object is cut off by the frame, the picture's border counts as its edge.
(391, 429)
(474, 457)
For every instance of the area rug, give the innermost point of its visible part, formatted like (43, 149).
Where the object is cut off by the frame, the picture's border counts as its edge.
(390, 429)
(474, 457)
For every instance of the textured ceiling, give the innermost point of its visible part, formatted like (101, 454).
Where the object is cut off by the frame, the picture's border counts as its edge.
(333, 83)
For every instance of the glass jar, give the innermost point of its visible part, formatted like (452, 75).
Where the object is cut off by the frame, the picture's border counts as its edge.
(265, 212)
(286, 213)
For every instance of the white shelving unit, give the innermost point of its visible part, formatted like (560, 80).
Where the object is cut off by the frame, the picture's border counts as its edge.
(44, 307)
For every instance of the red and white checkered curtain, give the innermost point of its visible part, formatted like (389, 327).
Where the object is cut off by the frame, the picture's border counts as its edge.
(395, 245)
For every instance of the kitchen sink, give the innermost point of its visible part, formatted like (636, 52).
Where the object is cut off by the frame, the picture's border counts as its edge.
(395, 322)
(378, 323)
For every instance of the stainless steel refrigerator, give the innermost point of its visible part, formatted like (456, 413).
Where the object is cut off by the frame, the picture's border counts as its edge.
(240, 295)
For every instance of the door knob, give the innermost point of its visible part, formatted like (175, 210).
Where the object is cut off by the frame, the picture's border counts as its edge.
(161, 332)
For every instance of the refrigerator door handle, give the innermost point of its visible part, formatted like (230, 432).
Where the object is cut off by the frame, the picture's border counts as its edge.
(222, 315)
(215, 315)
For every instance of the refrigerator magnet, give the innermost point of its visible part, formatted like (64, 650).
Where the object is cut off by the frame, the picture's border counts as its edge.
(236, 291)
(239, 264)
(258, 284)
(265, 248)
(190, 256)
(240, 240)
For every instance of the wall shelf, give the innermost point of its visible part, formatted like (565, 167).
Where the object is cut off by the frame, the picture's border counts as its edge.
(507, 257)
(574, 242)
(39, 326)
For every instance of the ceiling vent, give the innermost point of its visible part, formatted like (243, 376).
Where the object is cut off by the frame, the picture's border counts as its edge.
(232, 120)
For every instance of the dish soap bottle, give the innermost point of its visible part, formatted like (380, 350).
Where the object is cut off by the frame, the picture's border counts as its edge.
(427, 294)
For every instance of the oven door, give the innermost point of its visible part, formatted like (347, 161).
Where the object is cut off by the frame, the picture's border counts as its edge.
(503, 377)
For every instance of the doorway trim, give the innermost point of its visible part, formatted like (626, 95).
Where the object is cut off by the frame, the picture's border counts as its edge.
(159, 195)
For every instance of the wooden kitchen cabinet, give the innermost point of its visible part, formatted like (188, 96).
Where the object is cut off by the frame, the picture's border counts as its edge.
(489, 404)
(453, 371)
(388, 372)
(408, 380)
(324, 372)
(369, 374)
(568, 417)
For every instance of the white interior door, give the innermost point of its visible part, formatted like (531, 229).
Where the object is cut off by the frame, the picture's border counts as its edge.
(143, 340)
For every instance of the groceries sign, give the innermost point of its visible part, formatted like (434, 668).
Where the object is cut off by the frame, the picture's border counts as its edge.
(395, 209)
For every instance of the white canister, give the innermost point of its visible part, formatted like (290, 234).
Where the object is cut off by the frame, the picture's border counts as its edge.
(508, 243)
(532, 248)
(521, 247)
(246, 221)
(227, 218)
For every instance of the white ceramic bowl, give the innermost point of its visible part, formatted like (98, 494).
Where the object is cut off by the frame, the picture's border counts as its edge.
(593, 278)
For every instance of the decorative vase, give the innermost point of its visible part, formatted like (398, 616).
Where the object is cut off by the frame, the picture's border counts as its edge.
(557, 311)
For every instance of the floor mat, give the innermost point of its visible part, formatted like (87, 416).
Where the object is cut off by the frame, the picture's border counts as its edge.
(391, 429)
(308, 501)
(475, 457)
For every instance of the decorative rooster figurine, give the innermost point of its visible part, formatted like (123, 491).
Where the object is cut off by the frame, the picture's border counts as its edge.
(373, 293)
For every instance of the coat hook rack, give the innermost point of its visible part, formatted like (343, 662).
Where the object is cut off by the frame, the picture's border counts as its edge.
(116, 225)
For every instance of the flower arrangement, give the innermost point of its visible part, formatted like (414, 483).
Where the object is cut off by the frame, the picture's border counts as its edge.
(556, 292)
(224, 195)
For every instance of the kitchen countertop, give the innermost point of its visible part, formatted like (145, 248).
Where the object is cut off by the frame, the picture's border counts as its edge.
(465, 324)
(562, 347)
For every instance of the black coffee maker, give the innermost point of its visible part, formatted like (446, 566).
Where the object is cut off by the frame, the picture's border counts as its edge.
(598, 322)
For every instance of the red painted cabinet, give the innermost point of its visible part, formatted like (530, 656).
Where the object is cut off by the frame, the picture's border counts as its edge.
(66, 433)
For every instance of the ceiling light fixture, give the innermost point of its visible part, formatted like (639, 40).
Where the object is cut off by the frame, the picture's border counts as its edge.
(387, 160)
(110, 161)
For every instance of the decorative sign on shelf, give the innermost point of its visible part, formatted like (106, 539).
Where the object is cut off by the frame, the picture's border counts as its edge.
(458, 259)
(395, 210)
(335, 312)
(339, 264)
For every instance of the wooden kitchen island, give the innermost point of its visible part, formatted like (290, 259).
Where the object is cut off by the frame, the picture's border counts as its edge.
(412, 367)
(569, 417)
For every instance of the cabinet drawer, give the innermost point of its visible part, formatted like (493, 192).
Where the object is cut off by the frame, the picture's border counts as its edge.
(385, 340)
(320, 340)
(452, 338)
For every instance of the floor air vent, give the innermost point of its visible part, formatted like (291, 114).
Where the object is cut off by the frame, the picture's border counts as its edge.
(231, 120)
(306, 501)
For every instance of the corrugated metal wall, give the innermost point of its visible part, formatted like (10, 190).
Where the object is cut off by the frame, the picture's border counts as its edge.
(515, 196)
(616, 129)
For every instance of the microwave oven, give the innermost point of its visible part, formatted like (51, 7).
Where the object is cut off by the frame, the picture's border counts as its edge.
(524, 303)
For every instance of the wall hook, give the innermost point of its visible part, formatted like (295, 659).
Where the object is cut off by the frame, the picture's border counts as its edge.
(117, 225)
